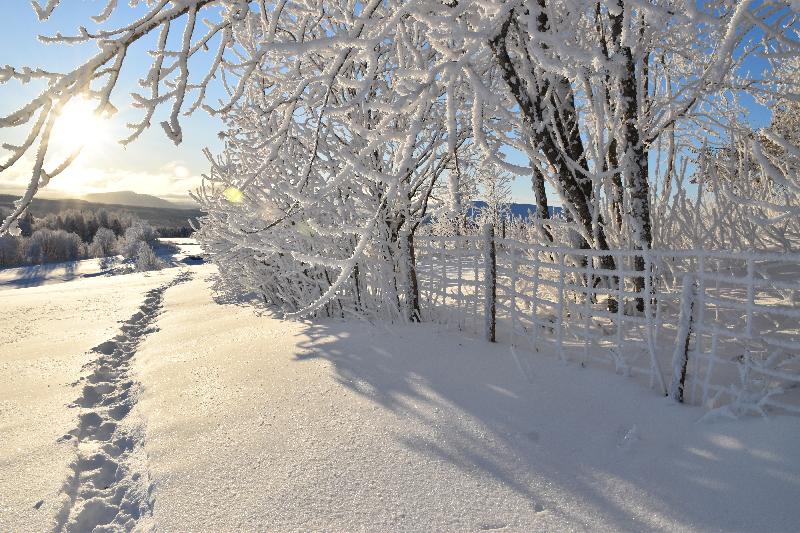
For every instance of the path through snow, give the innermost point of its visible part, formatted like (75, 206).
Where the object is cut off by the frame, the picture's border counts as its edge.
(109, 485)
(46, 336)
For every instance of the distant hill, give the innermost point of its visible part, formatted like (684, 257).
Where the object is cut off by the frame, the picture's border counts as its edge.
(164, 217)
(129, 198)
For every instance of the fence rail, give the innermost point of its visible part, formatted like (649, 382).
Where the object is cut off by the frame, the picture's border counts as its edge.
(714, 328)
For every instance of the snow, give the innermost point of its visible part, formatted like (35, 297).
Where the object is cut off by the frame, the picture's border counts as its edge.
(49, 273)
(254, 422)
(241, 421)
(45, 335)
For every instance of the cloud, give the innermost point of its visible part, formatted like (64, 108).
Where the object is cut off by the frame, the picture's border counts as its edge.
(173, 179)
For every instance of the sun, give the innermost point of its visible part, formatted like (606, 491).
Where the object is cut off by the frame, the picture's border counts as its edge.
(79, 126)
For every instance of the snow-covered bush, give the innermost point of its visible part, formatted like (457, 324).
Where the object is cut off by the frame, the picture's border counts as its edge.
(145, 259)
(103, 243)
(137, 246)
(48, 246)
(85, 222)
(139, 232)
(31, 252)
(9, 251)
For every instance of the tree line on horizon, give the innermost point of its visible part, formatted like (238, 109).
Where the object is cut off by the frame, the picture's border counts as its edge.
(79, 234)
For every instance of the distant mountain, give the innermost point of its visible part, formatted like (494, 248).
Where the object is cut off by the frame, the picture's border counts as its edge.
(517, 210)
(130, 198)
(169, 217)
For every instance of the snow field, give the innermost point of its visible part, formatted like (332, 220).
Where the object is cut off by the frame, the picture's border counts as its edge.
(50, 273)
(109, 486)
(253, 423)
(46, 336)
(192, 412)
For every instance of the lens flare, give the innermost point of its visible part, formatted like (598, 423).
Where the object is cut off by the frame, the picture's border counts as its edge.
(233, 195)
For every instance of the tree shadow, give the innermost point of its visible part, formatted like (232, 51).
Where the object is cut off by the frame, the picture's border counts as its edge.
(582, 444)
(35, 275)
(223, 294)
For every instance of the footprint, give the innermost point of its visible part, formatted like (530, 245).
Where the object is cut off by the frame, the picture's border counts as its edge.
(118, 412)
(90, 419)
(124, 443)
(95, 512)
(106, 348)
(105, 431)
(103, 476)
(119, 396)
(93, 393)
(95, 460)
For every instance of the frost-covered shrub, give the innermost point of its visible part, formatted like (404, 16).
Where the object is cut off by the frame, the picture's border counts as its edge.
(96, 250)
(51, 246)
(137, 246)
(103, 243)
(145, 258)
(31, 251)
(104, 246)
(139, 232)
(9, 251)
(84, 223)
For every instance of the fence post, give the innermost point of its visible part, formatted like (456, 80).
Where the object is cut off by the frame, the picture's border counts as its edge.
(490, 282)
(680, 357)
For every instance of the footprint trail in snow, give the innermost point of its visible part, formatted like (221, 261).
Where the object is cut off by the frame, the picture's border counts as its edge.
(109, 488)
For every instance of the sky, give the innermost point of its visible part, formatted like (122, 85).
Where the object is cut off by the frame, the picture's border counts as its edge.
(152, 164)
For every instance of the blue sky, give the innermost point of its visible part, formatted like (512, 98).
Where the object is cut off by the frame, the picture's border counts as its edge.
(152, 164)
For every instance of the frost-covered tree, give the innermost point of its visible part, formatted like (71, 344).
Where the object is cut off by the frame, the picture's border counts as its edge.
(9, 251)
(55, 245)
(145, 258)
(103, 243)
(139, 232)
(342, 118)
(587, 91)
(747, 182)
(496, 192)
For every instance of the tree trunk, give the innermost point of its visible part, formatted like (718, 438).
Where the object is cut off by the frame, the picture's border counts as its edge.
(635, 164)
(412, 295)
(542, 208)
(575, 183)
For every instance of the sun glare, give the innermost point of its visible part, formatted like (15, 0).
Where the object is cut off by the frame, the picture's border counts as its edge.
(79, 126)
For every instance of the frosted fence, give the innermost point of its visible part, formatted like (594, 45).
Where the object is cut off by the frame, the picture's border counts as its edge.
(739, 333)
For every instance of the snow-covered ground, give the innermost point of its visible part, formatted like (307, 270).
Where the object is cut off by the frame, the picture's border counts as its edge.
(46, 333)
(198, 413)
(49, 273)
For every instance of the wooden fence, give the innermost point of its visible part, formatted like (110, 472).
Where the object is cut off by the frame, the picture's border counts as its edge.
(715, 328)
